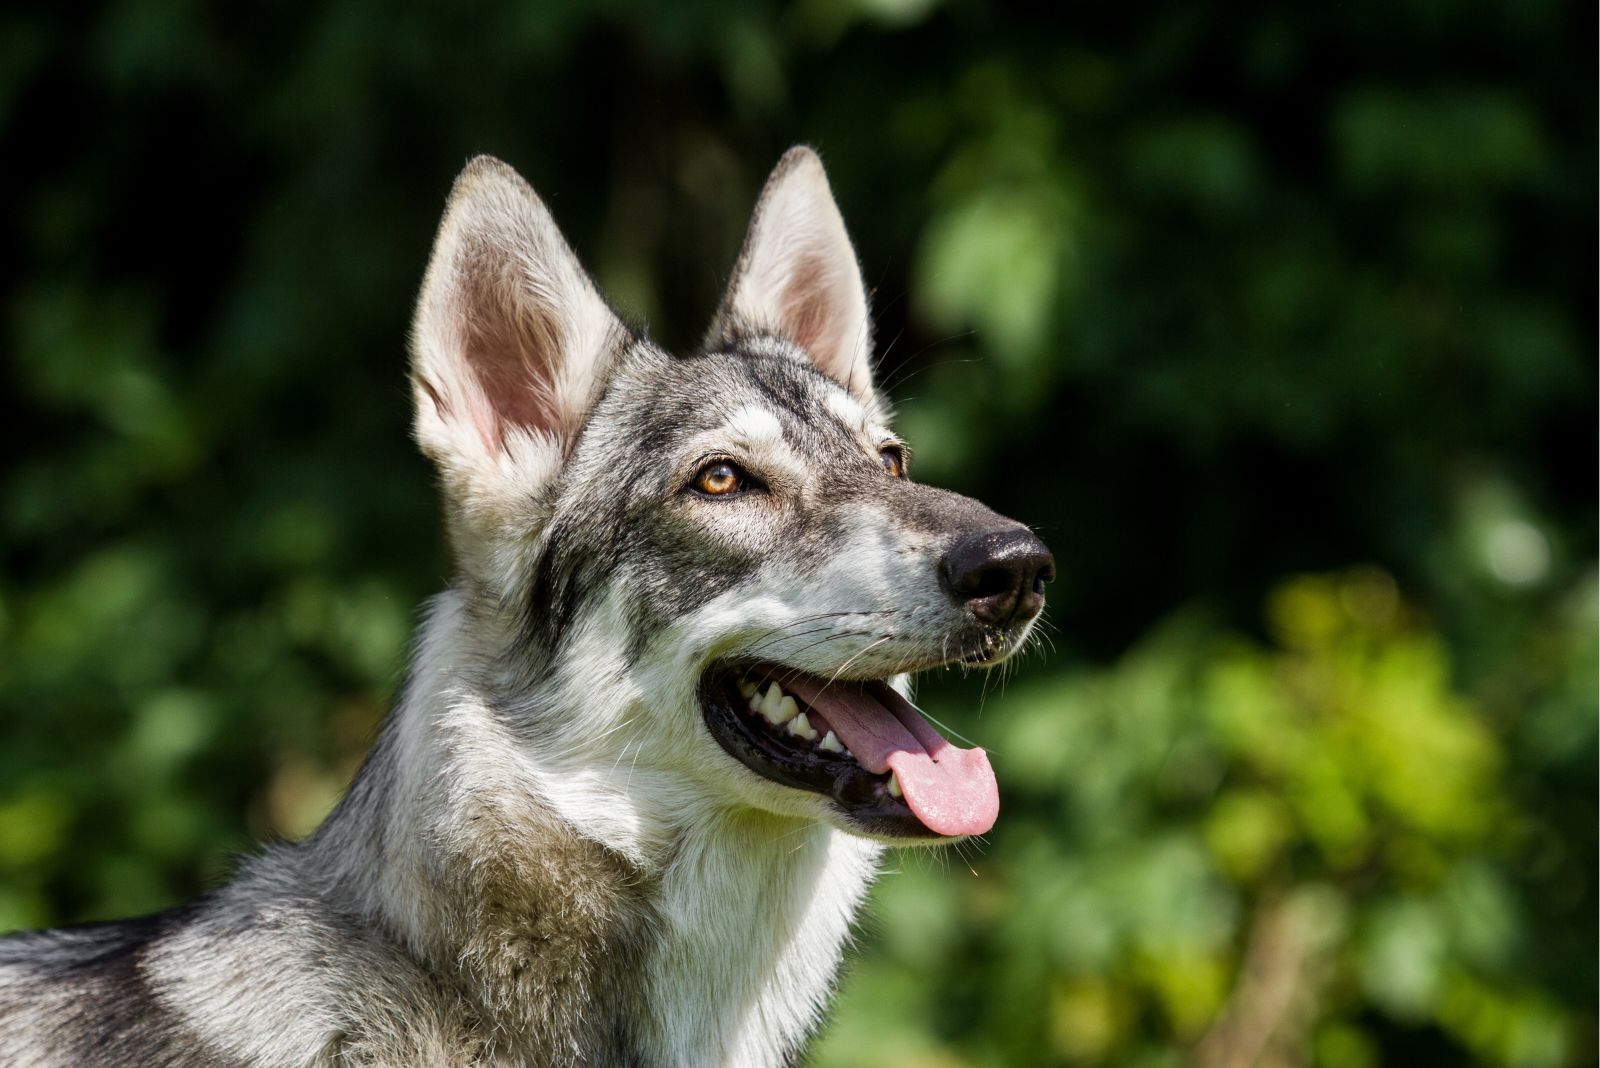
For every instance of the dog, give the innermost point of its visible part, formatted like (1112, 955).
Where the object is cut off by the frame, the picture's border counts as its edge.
(654, 737)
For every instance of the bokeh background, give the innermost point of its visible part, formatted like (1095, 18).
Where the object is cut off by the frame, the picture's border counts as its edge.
(1278, 321)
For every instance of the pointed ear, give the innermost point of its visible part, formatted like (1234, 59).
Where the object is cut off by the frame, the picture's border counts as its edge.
(797, 276)
(511, 341)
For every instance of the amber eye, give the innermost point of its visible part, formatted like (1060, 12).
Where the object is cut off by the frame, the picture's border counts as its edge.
(893, 458)
(719, 478)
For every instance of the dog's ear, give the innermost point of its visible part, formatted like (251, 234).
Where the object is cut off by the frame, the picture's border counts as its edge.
(797, 276)
(510, 345)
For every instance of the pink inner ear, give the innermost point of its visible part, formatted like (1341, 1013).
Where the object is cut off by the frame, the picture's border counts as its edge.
(513, 353)
(805, 305)
(810, 313)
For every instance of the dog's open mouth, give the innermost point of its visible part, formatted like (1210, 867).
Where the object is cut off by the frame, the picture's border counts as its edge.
(860, 743)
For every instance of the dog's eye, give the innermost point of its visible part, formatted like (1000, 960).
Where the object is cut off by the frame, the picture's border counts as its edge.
(720, 478)
(893, 458)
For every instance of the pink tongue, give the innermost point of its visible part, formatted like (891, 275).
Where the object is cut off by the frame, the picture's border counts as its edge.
(950, 789)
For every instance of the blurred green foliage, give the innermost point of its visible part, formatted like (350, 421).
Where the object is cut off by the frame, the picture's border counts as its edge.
(1278, 322)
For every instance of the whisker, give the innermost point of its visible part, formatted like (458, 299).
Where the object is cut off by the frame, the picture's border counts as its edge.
(784, 637)
(941, 726)
(983, 694)
(768, 637)
(635, 765)
(846, 665)
(790, 624)
(965, 860)
(896, 380)
(791, 672)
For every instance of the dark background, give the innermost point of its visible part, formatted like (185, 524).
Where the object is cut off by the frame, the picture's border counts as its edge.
(1276, 320)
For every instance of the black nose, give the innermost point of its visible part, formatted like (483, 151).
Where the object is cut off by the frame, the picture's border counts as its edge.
(999, 574)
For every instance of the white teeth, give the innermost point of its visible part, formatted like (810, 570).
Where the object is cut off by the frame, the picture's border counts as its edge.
(772, 706)
(781, 710)
(801, 726)
(894, 785)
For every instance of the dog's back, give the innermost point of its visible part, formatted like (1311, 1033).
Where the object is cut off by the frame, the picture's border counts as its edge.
(75, 995)
(245, 976)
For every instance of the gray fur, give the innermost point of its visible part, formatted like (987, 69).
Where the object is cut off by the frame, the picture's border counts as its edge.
(546, 860)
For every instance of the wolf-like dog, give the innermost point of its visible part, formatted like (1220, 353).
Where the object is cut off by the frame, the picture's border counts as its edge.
(653, 738)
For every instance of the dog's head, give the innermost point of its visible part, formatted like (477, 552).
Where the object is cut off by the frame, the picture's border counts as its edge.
(710, 574)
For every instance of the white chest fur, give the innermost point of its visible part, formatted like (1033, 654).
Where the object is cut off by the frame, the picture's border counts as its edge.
(755, 917)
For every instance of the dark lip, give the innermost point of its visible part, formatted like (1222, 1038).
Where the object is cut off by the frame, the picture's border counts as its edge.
(856, 793)
(991, 646)
(996, 644)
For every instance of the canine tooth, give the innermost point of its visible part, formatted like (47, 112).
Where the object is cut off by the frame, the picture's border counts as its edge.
(894, 785)
(830, 744)
(747, 689)
(800, 725)
(772, 705)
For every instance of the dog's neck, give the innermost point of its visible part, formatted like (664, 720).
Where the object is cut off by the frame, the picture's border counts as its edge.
(752, 927)
(672, 930)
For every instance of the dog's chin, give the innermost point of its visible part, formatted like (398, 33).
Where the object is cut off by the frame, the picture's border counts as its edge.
(788, 739)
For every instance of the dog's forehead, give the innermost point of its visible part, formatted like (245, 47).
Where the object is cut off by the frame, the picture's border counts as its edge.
(756, 399)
